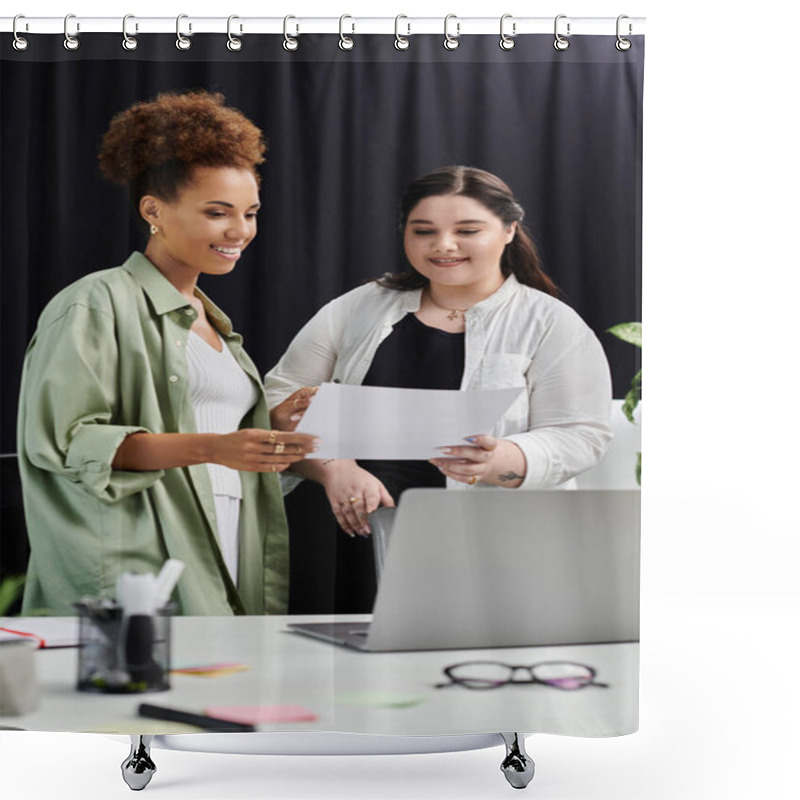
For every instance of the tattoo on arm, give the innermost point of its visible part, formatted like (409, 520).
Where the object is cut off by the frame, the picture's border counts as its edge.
(509, 476)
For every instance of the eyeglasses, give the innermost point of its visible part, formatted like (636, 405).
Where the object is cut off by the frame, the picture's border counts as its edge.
(565, 675)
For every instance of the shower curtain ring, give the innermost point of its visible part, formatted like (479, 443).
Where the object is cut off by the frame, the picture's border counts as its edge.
(345, 42)
(289, 42)
(20, 42)
(71, 42)
(507, 42)
(451, 42)
(129, 42)
(623, 44)
(233, 43)
(182, 43)
(400, 42)
(561, 43)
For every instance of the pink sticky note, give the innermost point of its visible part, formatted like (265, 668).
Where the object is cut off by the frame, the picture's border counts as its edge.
(208, 667)
(254, 714)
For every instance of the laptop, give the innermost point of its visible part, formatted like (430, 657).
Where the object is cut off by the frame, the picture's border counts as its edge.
(503, 568)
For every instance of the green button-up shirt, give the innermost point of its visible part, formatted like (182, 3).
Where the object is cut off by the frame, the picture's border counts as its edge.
(107, 360)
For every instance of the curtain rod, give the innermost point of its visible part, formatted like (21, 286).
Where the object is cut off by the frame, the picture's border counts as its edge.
(405, 26)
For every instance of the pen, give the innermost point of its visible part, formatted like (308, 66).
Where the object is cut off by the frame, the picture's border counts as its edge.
(200, 720)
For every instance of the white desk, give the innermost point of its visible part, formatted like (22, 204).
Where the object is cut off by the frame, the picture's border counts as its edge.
(289, 669)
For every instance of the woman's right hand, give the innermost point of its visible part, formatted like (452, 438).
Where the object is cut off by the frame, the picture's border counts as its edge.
(353, 493)
(259, 450)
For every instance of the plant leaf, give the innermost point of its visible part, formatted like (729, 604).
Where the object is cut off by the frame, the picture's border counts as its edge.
(630, 332)
(633, 397)
(9, 590)
(639, 468)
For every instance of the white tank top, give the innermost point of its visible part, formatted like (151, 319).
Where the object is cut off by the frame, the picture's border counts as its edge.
(221, 393)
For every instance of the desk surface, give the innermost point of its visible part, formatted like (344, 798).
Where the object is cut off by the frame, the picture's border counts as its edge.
(330, 681)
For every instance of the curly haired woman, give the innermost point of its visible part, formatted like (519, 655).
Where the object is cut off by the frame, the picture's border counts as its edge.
(143, 427)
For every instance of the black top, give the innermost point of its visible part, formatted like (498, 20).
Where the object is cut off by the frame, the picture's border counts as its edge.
(414, 356)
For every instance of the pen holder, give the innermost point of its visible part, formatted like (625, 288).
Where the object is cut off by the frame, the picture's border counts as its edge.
(120, 655)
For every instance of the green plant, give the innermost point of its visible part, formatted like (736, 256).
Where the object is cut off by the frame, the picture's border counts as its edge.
(9, 591)
(631, 332)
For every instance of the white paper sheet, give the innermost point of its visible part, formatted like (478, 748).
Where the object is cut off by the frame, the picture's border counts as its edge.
(377, 422)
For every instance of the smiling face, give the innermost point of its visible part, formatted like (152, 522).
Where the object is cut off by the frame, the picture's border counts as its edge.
(206, 227)
(456, 241)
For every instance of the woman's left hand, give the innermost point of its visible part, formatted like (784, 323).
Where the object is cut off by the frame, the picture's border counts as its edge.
(286, 415)
(494, 461)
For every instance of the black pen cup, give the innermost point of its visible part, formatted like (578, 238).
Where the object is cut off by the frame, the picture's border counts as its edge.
(122, 655)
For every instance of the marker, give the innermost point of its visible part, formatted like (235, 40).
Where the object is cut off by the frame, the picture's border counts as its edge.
(136, 596)
(199, 720)
(166, 580)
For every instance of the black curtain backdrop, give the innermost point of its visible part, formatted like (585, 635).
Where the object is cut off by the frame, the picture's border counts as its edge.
(347, 132)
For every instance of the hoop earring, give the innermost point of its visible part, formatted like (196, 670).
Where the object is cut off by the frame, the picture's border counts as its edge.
(153, 229)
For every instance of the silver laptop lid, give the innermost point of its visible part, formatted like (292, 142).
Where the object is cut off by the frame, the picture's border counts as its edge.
(504, 568)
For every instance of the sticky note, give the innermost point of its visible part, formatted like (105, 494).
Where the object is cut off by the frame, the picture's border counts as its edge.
(254, 715)
(211, 670)
(381, 699)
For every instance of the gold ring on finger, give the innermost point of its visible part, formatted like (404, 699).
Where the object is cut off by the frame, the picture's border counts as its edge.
(355, 500)
(273, 437)
(473, 480)
(279, 448)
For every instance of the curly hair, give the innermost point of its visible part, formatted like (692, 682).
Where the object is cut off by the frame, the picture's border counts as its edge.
(154, 146)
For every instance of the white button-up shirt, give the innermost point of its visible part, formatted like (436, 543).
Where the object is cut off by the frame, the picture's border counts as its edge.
(518, 336)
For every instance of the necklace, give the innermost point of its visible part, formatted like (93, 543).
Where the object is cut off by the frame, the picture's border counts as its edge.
(454, 314)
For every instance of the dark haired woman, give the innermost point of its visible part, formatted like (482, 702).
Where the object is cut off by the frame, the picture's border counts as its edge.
(475, 311)
(143, 426)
